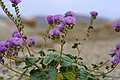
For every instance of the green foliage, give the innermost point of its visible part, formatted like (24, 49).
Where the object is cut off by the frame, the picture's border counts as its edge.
(85, 75)
(36, 75)
(50, 74)
(46, 74)
(30, 61)
(67, 60)
(51, 58)
(70, 76)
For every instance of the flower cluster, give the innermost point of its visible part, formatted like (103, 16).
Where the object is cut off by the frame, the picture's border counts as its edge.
(14, 44)
(115, 54)
(58, 23)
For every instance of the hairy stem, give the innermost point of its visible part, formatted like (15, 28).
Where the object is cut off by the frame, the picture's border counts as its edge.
(109, 70)
(100, 66)
(61, 49)
(62, 45)
(112, 69)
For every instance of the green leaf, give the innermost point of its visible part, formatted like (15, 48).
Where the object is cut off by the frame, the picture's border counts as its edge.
(70, 56)
(67, 61)
(36, 75)
(85, 75)
(70, 76)
(46, 74)
(50, 74)
(30, 61)
(54, 56)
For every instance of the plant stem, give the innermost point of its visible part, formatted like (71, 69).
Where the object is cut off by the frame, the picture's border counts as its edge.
(109, 70)
(112, 69)
(62, 45)
(99, 66)
(76, 47)
(38, 67)
(61, 49)
(13, 70)
(10, 63)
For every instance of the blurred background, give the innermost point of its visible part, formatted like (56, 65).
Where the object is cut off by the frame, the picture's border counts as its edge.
(102, 38)
(34, 13)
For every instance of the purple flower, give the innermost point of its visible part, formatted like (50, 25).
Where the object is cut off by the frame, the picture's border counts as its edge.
(116, 57)
(94, 13)
(112, 50)
(3, 48)
(51, 32)
(58, 17)
(118, 46)
(69, 13)
(50, 18)
(31, 41)
(54, 31)
(17, 41)
(116, 24)
(15, 1)
(8, 43)
(60, 26)
(118, 53)
(69, 20)
(15, 33)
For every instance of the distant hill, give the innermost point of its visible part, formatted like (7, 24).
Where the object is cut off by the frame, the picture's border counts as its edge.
(41, 19)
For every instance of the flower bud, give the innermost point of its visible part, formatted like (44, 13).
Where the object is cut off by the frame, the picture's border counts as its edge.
(94, 14)
(15, 1)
